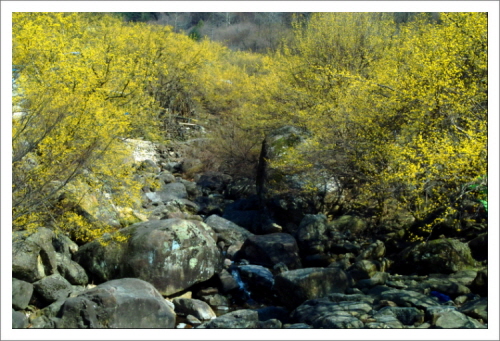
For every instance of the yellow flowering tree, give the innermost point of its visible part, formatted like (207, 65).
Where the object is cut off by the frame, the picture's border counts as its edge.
(398, 112)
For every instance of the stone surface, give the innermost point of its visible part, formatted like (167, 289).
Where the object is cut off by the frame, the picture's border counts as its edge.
(477, 309)
(227, 281)
(52, 288)
(21, 294)
(407, 298)
(245, 318)
(122, 303)
(71, 270)
(453, 319)
(171, 254)
(194, 307)
(33, 256)
(270, 249)
(323, 313)
(227, 231)
(19, 320)
(436, 256)
(259, 279)
(308, 283)
(406, 315)
(374, 251)
(362, 269)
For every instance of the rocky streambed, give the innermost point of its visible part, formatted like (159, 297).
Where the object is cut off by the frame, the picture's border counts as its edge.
(207, 257)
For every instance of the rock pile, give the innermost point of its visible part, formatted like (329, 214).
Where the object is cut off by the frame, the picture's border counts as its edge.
(208, 257)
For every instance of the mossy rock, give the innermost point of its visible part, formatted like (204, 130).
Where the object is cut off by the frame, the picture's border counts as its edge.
(444, 255)
(350, 223)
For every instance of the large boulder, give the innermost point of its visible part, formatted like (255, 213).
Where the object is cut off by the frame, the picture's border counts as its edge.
(271, 249)
(172, 254)
(33, 255)
(436, 256)
(19, 320)
(122, 303)
(227, 231)
(52, 288)
(477, 309)
(308, 283)
(453, 319)
(194, 307)
(70, 270)
(240, 319)
(259, 279)
(21, 294)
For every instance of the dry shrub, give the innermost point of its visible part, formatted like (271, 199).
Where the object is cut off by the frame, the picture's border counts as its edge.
(228, 149)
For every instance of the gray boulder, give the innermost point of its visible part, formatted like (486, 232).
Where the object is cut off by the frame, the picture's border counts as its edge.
(21, 294)
(122, 303)
(71, 270)
(172, 191)
(52, 288)
(227, 281)
(245, 318)
(259, 279)
(171, 254)
(477, 309)
(453, 319)
(436, 256)
(33, 255)
(63, 245)
(271, 249)
(194, 307)
(19, 320)
(227, 231)
(308, 283)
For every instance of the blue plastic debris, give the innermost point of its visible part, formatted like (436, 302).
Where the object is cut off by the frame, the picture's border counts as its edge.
(441, 297)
